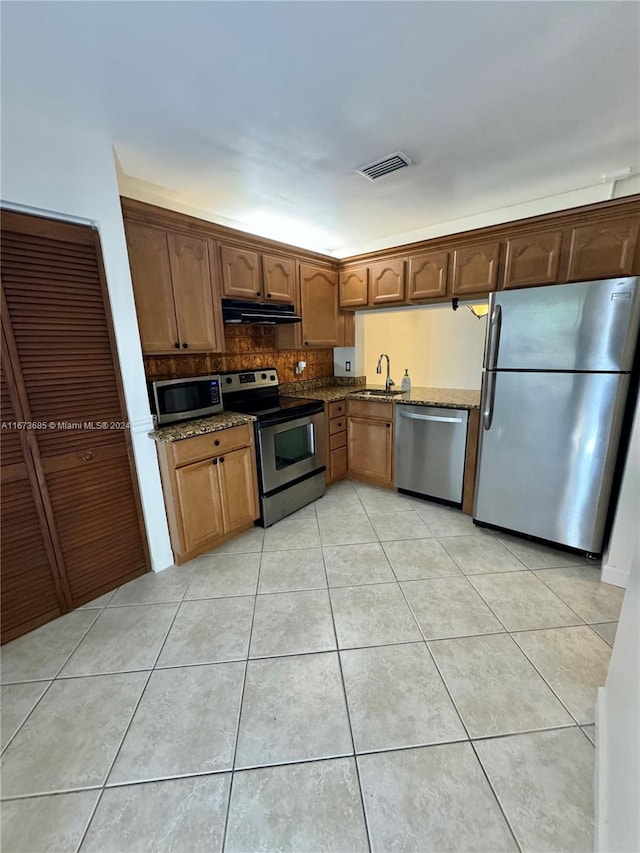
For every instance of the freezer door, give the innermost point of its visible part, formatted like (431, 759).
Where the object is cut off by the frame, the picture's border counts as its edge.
(546, 462)
(585, 326)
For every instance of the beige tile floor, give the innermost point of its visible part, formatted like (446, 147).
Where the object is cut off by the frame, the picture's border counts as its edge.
(372, 673)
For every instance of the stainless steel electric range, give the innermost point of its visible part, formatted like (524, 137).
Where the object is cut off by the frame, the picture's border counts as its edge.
(289, 435)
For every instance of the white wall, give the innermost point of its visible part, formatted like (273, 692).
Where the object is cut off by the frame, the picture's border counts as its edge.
(62, 170)
(618, 732)
(440, 347)
(625, 534)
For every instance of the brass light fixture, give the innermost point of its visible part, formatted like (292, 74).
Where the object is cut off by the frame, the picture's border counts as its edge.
(479, 311)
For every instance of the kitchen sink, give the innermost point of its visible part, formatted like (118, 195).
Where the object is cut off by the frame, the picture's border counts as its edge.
(376, 393)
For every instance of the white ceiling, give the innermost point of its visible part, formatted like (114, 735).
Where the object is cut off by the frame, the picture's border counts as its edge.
(250, 110)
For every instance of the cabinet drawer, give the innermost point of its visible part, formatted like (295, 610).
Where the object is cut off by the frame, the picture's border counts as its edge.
(338, 463)
(337, 425)
(338, 440)
(338, 408)
(214, 443)
(364, 409)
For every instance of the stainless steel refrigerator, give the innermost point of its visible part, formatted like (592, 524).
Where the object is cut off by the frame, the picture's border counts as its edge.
(557, 373)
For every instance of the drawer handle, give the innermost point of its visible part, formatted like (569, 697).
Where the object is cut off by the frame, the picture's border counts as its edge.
(214, 462)
(88, 456)
(339, 424)
(388, 426)
(217, 442)
(222, 459)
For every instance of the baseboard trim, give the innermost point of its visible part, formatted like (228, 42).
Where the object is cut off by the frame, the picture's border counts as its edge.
(615, 576)
(163, 560)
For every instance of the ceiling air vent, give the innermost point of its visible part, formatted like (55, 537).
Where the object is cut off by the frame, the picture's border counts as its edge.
(391, 163)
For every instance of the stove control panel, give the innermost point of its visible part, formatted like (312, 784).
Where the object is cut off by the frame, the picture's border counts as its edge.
(249, 379)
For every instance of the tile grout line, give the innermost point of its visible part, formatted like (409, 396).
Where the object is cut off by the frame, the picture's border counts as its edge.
(128, 727)
(435, 663)
(502, 622)
(52, 680)
(496, 798)
(561, 701)
(346, 705)
(241, 702)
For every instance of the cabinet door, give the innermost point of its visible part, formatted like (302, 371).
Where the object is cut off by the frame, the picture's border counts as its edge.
(238, 488)
(353, 287)
(369, 449)
(240, 273)
(428, 275)
(532, 259)
(387, 282)
(319, 298)
(475, 268)
(152, 288)
(67, 370)
(31, 593)
(200, 505)
(603, 249)
(337, 464)
(193, 290)
(278, 278)
(346, 328)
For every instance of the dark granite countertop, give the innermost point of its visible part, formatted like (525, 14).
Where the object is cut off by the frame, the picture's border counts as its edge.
(202, 426)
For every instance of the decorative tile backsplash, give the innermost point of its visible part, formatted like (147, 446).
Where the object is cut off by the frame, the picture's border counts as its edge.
(246, 348)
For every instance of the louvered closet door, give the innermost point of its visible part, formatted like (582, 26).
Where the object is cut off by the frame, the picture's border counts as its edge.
(58, 311)
(30, 593)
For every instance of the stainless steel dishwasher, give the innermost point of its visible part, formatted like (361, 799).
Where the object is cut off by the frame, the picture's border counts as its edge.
(429, 451)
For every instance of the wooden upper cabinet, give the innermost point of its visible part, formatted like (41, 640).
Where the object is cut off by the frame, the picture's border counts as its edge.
(240, 273)
(193, 293)
(346, 328)
(278, 278)
(602, 249)
(319, 306)
(475, 268)
(354, 287)
(174, 289)
(387, 281)
(153, 290)
(427, 277)
(532, 259)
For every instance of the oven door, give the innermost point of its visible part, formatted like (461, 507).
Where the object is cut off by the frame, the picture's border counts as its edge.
(290, 450)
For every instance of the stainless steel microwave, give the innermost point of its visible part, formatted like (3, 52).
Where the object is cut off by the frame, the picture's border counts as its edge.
(175, 400)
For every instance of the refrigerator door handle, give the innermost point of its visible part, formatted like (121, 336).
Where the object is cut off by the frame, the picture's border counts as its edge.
(494, 337)
(489, 392)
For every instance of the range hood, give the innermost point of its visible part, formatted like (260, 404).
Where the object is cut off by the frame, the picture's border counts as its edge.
(258, 313)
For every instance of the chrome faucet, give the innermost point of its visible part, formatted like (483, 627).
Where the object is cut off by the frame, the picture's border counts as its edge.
(388, 381)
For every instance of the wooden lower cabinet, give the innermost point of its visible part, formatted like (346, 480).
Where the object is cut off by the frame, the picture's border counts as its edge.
(198, 494)
(336, 420)
(210, 489)
(370, 442)
(238, 489)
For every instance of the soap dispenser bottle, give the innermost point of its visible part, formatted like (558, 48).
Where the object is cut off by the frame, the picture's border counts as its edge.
(406, 380)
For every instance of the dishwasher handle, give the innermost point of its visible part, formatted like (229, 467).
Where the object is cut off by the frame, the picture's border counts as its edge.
(429, 417)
